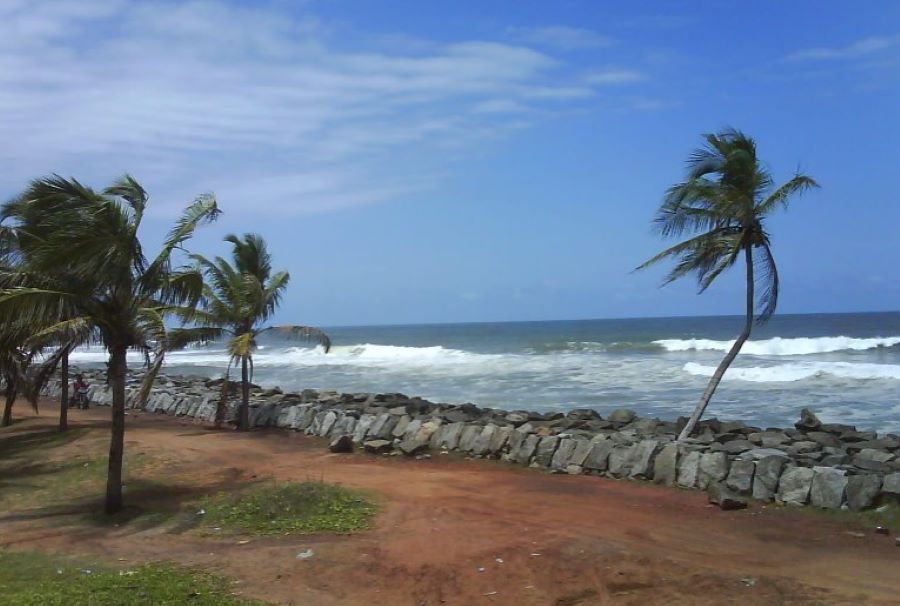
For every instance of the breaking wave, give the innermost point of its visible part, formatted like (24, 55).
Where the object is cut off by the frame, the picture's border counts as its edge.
(779, 346)
(801, 370)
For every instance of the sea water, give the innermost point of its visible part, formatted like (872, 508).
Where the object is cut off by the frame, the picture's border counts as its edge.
(846, 367)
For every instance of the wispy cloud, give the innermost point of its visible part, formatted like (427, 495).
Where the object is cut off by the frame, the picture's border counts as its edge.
(255, 102)
(855, 50)
(608, 77)
(561, 37)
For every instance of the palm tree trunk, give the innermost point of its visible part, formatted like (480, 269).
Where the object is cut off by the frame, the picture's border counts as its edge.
(118, 367)
(7, 408)
(244, 420)
(64, 392)
(729, 357)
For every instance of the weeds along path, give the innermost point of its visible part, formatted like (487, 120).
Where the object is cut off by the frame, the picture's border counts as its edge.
(449, 532)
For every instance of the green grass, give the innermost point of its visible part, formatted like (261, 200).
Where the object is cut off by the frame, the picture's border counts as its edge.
(35, 579)
(289, 508)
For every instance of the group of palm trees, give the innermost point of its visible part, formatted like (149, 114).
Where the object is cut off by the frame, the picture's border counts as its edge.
(73, 271)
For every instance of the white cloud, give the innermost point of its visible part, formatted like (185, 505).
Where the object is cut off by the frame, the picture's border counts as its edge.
(562, 37)
(860, 48)
(251, 101)
(614, 76)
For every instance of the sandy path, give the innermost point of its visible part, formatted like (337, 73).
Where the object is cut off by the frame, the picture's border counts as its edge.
(539, 538)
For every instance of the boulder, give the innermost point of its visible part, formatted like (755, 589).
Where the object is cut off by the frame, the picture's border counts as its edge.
(875, 455)
(562, 455)
(808, 421)
(719, 494)
(598, 457)
(450, 435)
(621, 416)
(468, 436)
(688, 470)
(545, 449)
(620, 461)
(642, 459)
(342, 443)
(328, 422)
(378, 446)
(500, 439)
(862, 490)
(412, 446)
(828, 486)
(794, 485)
(891, 484)
(733, 447)
(824, 438)
(524, 453)
(400, 427)
(766, 476)
(580, 451)
(482, 444)
(740, 477)
(665, 466)
(362, 427)
(713, 468)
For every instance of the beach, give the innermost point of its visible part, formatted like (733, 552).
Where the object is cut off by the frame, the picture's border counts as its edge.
(451, 531)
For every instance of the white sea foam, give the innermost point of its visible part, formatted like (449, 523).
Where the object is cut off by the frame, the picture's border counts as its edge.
(798, 371)
(778, 346)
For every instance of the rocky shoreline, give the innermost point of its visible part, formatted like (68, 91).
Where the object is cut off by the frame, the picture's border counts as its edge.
(831, 466)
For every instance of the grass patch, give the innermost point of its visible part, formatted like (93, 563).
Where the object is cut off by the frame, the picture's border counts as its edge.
(290, 508)
(36, 579)
(46, 483)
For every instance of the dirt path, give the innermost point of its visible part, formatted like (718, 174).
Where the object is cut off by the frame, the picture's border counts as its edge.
(478, 532)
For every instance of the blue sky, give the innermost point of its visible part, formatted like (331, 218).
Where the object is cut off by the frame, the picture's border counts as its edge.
(464, 161)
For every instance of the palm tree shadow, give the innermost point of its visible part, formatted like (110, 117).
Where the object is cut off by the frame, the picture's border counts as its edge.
(155, 505)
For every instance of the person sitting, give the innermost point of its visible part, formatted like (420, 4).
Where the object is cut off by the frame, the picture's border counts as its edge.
(79, 392)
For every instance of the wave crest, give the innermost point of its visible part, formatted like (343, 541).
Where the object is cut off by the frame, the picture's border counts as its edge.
(799, 371)
(780, 346)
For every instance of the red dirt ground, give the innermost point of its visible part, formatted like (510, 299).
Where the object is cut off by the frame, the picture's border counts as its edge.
(473, 532)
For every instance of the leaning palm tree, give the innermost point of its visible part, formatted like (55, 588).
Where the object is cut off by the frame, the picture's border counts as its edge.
(238, 300)
(111, 287)
(722, 205)
(14, 362)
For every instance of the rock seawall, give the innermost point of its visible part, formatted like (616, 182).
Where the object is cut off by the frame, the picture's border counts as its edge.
(824, 465)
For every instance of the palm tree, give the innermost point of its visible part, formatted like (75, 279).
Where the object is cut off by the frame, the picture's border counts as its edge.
(111, 287)
(14, 362)
(722, 205)
(238, 300)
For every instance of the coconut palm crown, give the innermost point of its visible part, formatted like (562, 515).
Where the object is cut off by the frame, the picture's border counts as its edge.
(722, 205)
(239, 298)
(110, 288)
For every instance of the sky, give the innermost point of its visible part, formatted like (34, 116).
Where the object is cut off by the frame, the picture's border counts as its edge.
(451, 161)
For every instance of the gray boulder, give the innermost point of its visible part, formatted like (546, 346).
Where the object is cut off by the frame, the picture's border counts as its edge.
(545, 449)
(794, 485)
(862, 490)
(482, 445)
(719, 494)
(828, 486)
(450, 435)
(620, 461)
(621, 416)
(740, 477)
(562, 455)
(688, 470)
(642, 455)
(598, 457)
(526, 450)
(665, 466)
(378, 446)
(713, 468)
(580, 452)
(766, 476)
(891, 484)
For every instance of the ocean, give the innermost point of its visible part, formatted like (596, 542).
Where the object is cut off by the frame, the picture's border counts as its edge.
(846, 367)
